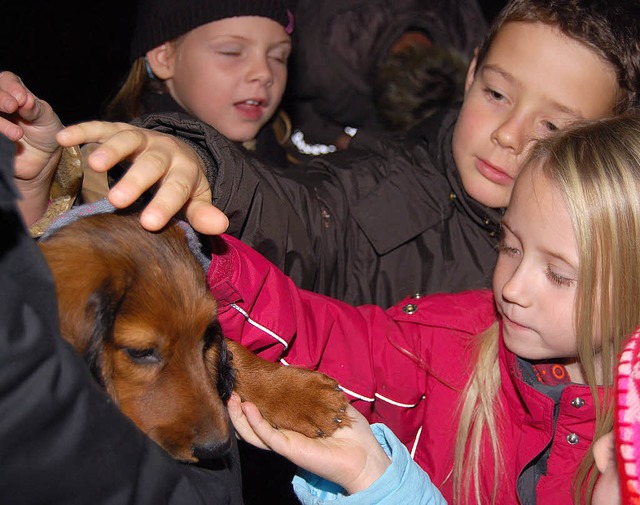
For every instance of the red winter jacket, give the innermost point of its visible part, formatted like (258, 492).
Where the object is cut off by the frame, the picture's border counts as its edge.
(405, 367)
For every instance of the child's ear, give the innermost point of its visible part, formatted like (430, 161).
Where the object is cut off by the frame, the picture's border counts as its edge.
(161, 60)
(471, 72)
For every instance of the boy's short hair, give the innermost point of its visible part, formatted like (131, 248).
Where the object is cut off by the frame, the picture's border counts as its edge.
(610, 28)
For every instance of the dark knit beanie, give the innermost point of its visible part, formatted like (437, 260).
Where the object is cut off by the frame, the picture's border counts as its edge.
(161, 20)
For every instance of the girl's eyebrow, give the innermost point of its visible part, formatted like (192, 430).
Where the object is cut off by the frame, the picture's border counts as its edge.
(554, 254)
(562, 258)
(283, 42)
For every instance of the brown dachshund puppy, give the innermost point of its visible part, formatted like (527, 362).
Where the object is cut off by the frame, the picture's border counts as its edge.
(136, 305)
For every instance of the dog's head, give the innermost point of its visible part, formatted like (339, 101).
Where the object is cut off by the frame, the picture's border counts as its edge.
(135, 304)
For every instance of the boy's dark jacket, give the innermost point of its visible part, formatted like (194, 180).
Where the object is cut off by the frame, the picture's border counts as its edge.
(365, 225)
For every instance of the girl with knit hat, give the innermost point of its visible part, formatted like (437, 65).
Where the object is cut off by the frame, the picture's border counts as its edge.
(223, 62)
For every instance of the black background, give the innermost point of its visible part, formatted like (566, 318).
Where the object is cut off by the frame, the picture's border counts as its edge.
(71, 53)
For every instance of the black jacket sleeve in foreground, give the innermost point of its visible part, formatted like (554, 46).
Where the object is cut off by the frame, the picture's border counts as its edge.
(61, 440)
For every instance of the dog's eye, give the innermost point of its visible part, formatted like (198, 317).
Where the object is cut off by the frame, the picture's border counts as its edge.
(143, 356)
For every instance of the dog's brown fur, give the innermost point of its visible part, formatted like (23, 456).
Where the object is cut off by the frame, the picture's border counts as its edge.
(137, 306)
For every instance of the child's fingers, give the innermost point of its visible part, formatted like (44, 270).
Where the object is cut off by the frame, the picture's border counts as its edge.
(206, 218)
(276, 440)
(8, 102)
(13, 93)
(233, 405)
(240, 423)
(157, 159)
(90, 131)
(171, 196)
(162, 207)
(10, 130)
(17, 102)
(142, 176)
(33, 109)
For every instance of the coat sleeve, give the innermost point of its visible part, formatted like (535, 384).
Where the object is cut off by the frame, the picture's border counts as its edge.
(61, 438)
(361, 347)
(403, 481)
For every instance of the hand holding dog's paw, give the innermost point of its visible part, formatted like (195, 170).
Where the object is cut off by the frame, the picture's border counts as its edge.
(289, 397)
(308, 402)
(351, 457)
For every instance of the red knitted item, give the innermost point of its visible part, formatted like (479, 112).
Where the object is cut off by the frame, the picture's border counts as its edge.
(627, 420)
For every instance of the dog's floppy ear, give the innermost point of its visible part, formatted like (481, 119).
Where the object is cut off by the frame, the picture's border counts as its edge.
(101, 310)
(88, 297)
(226, 379)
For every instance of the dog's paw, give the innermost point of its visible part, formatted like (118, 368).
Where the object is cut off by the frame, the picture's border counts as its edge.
(289, 397)
(308, 402)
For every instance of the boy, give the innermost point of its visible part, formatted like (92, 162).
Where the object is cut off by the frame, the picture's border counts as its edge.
(391, 219)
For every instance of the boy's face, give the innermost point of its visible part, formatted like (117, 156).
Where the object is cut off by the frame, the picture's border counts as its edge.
(533, 80)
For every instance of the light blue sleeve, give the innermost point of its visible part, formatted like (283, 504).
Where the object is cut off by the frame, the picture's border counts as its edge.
(403, 481)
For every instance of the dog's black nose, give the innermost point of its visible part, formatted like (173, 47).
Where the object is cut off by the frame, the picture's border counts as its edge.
(212, 451)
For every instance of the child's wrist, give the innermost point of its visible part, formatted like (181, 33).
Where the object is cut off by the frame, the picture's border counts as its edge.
(377, 463)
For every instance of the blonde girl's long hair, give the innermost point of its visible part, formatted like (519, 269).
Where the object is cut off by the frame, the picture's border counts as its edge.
(596, 166)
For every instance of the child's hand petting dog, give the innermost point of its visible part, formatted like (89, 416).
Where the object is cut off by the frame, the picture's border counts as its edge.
(289, 397)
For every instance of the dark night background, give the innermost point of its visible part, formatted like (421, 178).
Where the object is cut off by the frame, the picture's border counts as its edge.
(71, 53)
(74, 53)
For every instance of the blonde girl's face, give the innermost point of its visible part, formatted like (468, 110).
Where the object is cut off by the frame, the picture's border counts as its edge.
(229, 73)
(536, 274)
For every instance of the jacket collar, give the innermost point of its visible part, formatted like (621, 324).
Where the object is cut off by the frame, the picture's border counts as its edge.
(440, 150)
(159, 102)
(266, 148)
